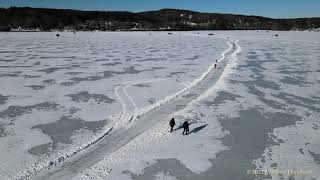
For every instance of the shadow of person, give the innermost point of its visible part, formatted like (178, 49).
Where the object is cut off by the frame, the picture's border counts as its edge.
(197, 129)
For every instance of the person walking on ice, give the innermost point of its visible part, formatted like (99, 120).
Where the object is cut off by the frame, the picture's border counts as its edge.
(172, 123)
(215, 65)
(185, 126)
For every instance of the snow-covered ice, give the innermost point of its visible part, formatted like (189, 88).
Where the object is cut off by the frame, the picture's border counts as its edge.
(262, 113)
(60, 95)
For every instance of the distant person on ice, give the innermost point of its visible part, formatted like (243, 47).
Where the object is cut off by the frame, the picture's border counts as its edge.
(185, 126)
(215, 65)
(171, 124)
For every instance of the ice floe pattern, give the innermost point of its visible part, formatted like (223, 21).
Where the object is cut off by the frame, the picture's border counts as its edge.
(79, 85)
(263, 113)
(294, 90)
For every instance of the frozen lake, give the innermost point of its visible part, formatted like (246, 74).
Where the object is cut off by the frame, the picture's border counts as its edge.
(58, 93)
(259, 110)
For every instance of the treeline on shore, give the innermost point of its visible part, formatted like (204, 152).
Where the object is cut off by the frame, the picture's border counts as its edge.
(20, 18)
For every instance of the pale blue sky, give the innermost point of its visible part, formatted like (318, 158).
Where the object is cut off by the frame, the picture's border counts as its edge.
(269, 8)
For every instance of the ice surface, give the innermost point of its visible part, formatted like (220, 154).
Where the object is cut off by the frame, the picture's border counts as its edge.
(86, 78)
(262, 113)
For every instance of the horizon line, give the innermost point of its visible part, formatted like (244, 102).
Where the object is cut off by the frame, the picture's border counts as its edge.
(135, 12)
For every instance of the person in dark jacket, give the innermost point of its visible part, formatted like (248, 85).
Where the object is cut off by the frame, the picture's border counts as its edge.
(185, 126)
(171, 124)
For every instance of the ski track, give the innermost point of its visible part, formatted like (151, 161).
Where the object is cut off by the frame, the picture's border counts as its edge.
(124, 91)
(129, 84)
(124, 108)
(117, 136)
(132, 113)
(186, 84)
(129, 97)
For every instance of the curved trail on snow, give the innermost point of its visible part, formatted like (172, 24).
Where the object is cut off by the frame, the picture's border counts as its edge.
(126, 112)
(123, 104)
(146, 119)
